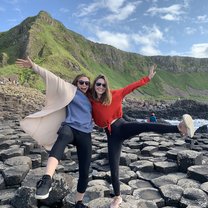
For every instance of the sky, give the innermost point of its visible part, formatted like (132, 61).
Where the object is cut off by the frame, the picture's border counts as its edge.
(146, 27)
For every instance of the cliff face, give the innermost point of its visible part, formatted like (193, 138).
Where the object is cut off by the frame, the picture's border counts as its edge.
(14, 42)
(67, 53)
(181, 64)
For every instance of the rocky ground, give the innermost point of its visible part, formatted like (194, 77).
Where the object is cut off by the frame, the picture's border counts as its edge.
(165, 110)
(155, 170)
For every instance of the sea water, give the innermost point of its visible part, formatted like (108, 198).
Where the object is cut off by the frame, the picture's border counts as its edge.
(197, 122)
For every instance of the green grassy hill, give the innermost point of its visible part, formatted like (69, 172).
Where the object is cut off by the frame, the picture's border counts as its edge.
(51, 45)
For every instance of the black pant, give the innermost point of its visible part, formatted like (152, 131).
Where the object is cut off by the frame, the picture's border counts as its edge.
(121, 130)
(83, 143)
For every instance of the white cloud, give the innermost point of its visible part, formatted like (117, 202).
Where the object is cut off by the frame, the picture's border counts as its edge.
(203, 30)
(118, 9)
(149, 40)
(97, 15)
(171, 13)
(85, 10)
(118, 40)
(122, 13)
(187, 3)
(190, 30)
(149, 50)
(114, 5)
(64, 10)
(202, 19)
(200, 50)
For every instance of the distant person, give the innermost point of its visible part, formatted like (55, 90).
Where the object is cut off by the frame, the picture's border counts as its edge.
(107, 113)
(153, 118)
(65, 119)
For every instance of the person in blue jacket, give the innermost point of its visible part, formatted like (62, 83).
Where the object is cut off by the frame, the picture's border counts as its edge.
(153, 118)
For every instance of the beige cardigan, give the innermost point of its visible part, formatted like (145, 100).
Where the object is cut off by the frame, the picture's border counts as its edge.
(43, 125)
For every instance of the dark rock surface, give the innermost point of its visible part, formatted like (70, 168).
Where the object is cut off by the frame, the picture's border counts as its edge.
(155, 170)
(149, 176)
(164, 110)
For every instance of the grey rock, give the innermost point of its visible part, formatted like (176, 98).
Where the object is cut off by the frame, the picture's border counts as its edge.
(188, 158)
(24, 198)
(6, 196)
(148, 150)
(36, 160)
(19, 160)
(6, 144)
(146, 204)
(96, 191)
(166, 167)
(127, 158)
(125, 189)
(172, 194)
(198, 172)
(11, 152)
(15, 175)
(159, 154)
(164, 180)
(149, 194)
(148, 176)
(126, 174)
(100, 175)
(194, 197)
(142, 165)
(172, 154)
(137, 183)
(2, 183)
(137, 171)
(204, 187)
(188, 183)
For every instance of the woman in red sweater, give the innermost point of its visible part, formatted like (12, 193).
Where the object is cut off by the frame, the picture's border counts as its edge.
(107, 113)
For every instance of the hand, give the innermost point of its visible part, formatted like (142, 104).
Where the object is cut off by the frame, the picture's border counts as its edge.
(152, 71)
(24, 63)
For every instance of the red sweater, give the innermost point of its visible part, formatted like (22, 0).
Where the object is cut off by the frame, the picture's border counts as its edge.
(103, 115)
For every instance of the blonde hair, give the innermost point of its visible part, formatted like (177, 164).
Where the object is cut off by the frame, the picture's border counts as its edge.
(106, 97)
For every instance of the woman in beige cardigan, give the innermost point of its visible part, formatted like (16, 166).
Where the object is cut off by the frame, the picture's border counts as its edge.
(65, 119)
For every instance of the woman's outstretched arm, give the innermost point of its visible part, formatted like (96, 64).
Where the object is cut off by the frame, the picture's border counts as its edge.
(143, 81)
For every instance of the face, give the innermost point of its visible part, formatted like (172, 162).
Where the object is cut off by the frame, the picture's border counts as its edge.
(83, 84)
(100, 87)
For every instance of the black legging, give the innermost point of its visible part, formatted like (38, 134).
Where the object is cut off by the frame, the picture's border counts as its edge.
(83, 143)
(121, 130)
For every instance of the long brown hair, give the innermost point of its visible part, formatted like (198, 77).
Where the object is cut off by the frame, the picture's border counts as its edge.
(77, 78)
(106, 97)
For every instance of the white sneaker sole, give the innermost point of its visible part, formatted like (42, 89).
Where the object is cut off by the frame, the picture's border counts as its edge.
(43, 196)
(189, 124)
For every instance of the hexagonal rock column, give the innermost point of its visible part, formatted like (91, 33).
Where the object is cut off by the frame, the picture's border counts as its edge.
(194, 197)
(188, 158)
(198, 172)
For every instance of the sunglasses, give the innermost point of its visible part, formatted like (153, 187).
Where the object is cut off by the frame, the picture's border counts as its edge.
(81, 82)
(98, 84)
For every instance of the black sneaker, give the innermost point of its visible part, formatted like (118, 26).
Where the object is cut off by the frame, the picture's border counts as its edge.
(79, 204)
(43, 187)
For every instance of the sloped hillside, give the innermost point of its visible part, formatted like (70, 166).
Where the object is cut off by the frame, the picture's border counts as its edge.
(67, 53)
